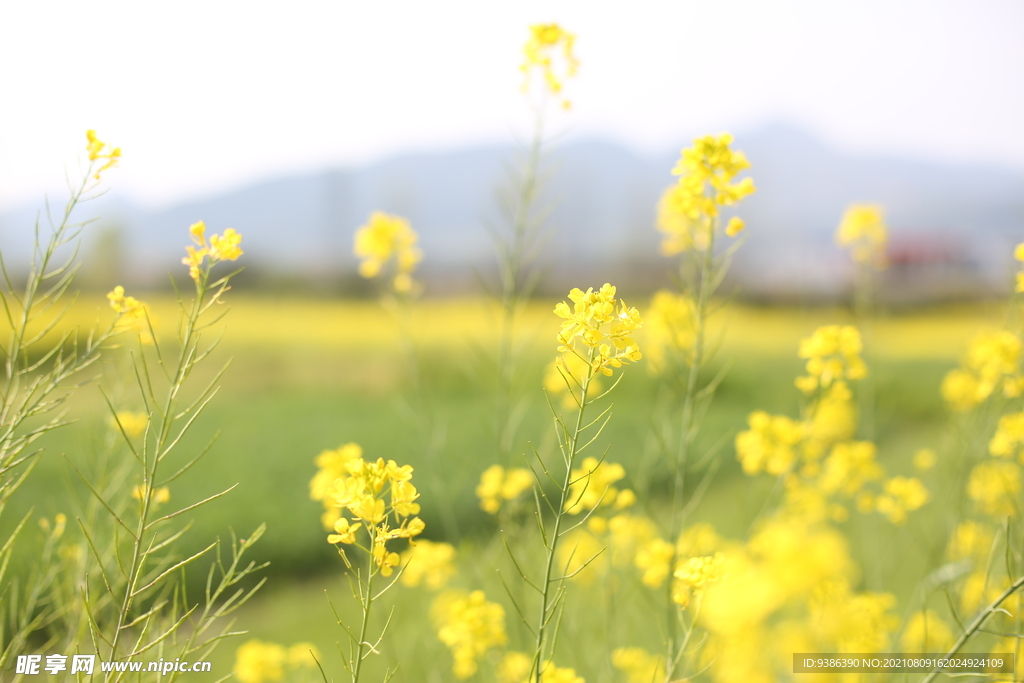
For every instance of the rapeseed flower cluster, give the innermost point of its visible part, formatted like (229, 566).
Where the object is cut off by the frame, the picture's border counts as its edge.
(133, 424)
(824, 468)
(498, 485)
(332, 465)
(592, 487)
(549, 50)
(388, 239)
(429, 564)
(257, 661)
(863, 231)
(832, 353)
(598, 329)
(564, 375)
(1008, 441)
(101, 152)
(380, 498)
(218, 248)
(990, 367)
(639, 665)
(688, 211)
(671, 329)
(470, 626)
(127, 306)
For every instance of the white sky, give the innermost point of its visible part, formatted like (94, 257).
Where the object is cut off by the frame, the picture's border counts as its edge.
(205, 96)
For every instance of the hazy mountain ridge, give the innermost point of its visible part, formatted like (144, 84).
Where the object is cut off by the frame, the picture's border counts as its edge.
(602, 198)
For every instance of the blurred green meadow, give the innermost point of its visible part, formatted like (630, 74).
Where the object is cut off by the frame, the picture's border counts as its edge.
(307, 375)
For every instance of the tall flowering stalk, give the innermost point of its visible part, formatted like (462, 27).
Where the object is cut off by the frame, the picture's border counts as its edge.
(374, 504)
(38, 364)
(548, 63)
(597, 329)
(130, 567)
(863, 231)
(689, 216)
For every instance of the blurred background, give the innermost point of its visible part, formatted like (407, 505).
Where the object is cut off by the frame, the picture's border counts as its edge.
(291, 125)
(292, 122)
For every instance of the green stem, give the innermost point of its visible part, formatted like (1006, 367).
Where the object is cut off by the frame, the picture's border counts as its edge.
(512, 265)
(978, 622)
(552, 546)
(686, 438)
(367, 601)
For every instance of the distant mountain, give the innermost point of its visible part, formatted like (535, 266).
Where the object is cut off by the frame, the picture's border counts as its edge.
(601, 198)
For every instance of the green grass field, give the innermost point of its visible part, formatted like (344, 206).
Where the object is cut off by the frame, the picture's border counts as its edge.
(305, 376)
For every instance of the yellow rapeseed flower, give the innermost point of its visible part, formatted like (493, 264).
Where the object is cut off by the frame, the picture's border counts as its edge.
(257, 662)
(994, 486)
(863, 231)
(639, 665)
(157, 496)
(386, 239)
(133, 424)
(549, 51)
(832, 353)
(470, 626)
(602, 325)
(218, 248)
(498, 484)
(671, 328)
(428, 563)
(1009, 436)
(925, 459)
(592, 487)
(550, 673)
(770, 443)
(688, 211)
(902, 495)
(991, 365)
(514, 667)
(100, 151)
(972, 539)
(926, 632)
(127, 306)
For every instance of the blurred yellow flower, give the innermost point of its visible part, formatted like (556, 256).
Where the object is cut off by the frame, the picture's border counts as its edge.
(550, 673)
(639, 665)
(926, 632)
(1009, 436)
(429, 564)
(565, 375)
(514, 667)
(384, 239)
(1018, 253)
(470, 626)
(970, 539)
(863, 231)
(100, 151)
(157, 496)
(902, 495)
(498, 484)
(832, 353)
(549, 51)
(671, 327)
(257, 661)
(592, 487)
(688, 211)
(925, 459)
(125, 305)
(219, 248)
(991, 365)
(770, 443)
(133, 424)
(303, 654)
(994, 486)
